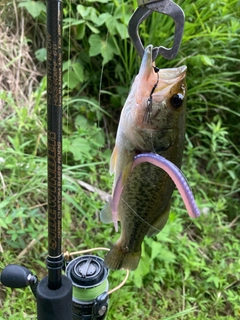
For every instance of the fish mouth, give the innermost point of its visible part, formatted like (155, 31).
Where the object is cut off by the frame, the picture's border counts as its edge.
(172, 73)
(169, 75)
(146, 67)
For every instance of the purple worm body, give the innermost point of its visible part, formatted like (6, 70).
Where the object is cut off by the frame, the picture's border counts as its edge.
(175, 174)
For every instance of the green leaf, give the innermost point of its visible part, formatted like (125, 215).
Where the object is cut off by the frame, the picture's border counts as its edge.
(33, 7)
(99, 138)
(66, 65)
(81, 121)
(89, 14)
(95, 45)
(180, 314)
(80, 31)
(78, 69)
(122, 30)
(66, 145)
(207, 60)
(92, 28)
(106, 48)
(102, 18)
(118, 13)
(156, 249)
(214, 279)
(167, 256)
(78, 147)
(84, 11)
(3, 224)
(107, 52)
(74, 74)
(112, 46)
(142, 269)
(111, 25)
(68, 22)
(4, 203)
(71, 79)
(41, 54)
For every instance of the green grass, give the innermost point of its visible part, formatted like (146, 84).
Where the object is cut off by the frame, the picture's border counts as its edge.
(191, 270)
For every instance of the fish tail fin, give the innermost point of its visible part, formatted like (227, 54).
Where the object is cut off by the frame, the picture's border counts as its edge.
(117, 258)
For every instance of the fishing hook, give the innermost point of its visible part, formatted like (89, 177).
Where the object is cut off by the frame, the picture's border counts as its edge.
(148, 112)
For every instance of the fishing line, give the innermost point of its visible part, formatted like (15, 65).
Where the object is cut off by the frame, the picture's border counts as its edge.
(151, 226)
(148, 112)
(102, 67)
(68, 69)
(187, 228)
(151, 138)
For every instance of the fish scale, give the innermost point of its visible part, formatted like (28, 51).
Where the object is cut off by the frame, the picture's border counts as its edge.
(140, 193)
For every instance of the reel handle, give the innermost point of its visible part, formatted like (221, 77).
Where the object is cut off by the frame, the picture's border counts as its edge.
(14, 276)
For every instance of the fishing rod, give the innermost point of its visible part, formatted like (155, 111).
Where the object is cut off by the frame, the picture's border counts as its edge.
(54, 292)
(83, 292)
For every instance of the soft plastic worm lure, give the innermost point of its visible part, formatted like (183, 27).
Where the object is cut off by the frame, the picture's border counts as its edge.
(172, 170)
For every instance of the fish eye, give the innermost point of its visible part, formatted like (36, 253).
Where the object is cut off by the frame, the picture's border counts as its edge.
(177, 100)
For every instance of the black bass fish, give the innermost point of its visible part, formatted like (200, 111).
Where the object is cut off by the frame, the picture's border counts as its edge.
(152, 120)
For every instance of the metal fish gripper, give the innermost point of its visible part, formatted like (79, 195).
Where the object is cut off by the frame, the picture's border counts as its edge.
(167, 7)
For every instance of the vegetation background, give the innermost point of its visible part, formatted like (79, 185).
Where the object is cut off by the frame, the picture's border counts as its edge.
(191, 270)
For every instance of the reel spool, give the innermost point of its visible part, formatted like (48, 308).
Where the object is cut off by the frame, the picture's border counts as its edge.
(90, 287)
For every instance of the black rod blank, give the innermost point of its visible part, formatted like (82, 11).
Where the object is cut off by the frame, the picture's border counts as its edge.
(54, 293)
(54, 117)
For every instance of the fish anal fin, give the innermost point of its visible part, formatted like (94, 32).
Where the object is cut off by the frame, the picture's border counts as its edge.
(159, 224)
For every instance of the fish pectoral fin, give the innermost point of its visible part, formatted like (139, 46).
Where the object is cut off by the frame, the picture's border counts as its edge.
(106, 213)
(159, 224)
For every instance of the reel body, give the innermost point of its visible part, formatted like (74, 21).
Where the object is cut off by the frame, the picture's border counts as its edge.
(90, 286)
